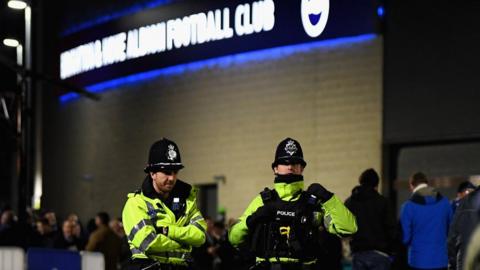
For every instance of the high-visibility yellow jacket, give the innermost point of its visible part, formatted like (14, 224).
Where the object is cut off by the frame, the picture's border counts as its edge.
(337, 219)
(145, 216)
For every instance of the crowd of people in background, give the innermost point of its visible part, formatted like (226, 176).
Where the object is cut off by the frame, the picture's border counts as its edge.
(430, 233)
(41, 229)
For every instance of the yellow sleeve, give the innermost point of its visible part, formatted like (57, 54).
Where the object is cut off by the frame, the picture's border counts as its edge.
(141, 231)
(239, 231)
(338, 219)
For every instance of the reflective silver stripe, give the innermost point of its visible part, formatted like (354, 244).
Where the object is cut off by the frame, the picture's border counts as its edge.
(326, 221)
(135, 251)
(180, 255)
(147, 241)
(150, 206)
(197, 218)
(152, 211)
(138, 227)
(199, 226)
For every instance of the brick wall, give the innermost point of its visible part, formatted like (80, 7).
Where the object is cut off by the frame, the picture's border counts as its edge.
(226, 121)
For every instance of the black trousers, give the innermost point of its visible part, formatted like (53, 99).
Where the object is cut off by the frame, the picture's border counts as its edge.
(147, 264)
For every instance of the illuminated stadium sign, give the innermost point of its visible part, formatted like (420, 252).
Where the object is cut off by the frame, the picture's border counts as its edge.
(188, 31)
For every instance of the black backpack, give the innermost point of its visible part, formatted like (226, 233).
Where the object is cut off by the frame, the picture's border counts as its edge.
(291, 233)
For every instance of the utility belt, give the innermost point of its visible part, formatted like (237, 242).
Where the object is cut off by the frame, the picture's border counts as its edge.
(282, 266)
(149, 264)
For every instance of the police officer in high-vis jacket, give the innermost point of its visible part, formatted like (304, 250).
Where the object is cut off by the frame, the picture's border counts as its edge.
(281, 226)
(161, 220)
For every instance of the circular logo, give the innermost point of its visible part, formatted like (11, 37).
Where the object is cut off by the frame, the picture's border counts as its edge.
(315, 16)
(171, 154)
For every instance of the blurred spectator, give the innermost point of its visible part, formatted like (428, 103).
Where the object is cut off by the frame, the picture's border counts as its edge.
(52, 219)
(78, 230)
(67, 239)
(464, 223)
(91, 227)
(225, 255)
(104, 240)
(10, 235)
(371, 244)
(73, 217)
(463, 190)
(425, 218)
(117, 227)
(17, 233)
(47, 235)
(7, 220)
(216, 253)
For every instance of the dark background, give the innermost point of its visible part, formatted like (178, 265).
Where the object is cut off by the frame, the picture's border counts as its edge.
(431, 93)
(431, 69)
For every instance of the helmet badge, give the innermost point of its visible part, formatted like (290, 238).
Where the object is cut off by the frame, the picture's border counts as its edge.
(291, 148)
(171, 153)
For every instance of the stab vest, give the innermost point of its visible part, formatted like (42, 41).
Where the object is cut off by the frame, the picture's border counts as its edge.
(291, 233)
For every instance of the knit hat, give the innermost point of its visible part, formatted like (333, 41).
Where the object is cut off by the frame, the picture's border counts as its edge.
(164, 155)
(369, 178)
(289, 151)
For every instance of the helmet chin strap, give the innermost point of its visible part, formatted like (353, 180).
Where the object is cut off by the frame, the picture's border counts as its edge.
(288, 178)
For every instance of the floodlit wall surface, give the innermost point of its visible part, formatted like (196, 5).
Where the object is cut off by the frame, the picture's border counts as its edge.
(227, 120)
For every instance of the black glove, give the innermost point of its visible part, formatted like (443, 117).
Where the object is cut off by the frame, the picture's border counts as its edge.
(320, 192)
(263, 214)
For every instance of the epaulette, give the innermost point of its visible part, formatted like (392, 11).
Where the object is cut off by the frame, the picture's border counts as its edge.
(134, 193)
(268, 195)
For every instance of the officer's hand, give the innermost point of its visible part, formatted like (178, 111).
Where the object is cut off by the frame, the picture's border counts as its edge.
(160, 217)
(320, 192)
(263, 213)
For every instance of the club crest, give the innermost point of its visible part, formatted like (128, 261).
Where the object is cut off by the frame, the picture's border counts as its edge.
(171, 153)
(291, 148)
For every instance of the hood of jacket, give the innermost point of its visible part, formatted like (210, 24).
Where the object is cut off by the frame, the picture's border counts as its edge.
(426, 195)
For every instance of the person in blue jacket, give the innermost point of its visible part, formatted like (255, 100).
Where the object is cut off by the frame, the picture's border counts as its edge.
(425, 219)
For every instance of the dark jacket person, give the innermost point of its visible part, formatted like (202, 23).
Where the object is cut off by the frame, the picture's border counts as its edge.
(376, 224)
(464, 222)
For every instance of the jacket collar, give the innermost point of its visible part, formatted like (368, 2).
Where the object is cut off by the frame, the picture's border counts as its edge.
(420, 186)
(289, 190)
(426, 195)
(181, 189)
